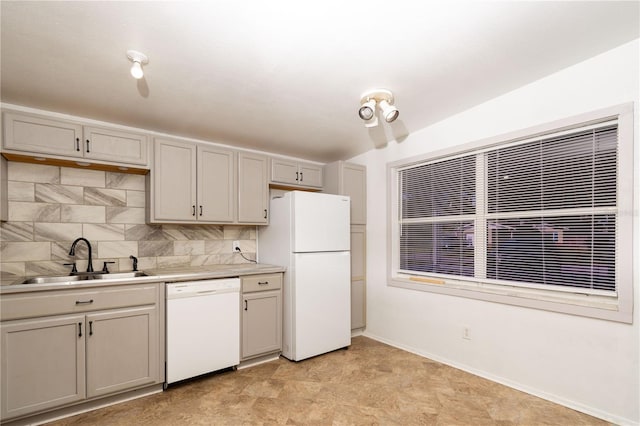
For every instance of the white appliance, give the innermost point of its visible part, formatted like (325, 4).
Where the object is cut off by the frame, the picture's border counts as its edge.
(309, 234)
(203, 327)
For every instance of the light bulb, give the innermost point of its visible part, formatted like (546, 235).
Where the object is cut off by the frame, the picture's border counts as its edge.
(389, 112)
(367, 110)
(136, 70)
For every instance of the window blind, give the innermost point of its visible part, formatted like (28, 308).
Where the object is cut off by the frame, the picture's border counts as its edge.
(554, 200)
(436, 197)
(548, 211)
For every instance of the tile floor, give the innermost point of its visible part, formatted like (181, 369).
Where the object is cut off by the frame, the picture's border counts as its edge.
(369, 384)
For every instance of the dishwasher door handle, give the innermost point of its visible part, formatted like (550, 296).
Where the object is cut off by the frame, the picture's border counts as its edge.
(207, 291)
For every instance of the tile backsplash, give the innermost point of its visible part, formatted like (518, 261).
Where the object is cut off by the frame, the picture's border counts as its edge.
(51, 206)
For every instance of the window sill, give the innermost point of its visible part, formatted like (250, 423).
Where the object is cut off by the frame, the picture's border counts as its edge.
(586, 305)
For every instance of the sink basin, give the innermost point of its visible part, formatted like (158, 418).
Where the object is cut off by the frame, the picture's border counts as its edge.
(117, 275)
(52, 280)
(81, 277)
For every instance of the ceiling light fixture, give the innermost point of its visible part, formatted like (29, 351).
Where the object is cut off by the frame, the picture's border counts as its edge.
(384, 99)
(138, 60)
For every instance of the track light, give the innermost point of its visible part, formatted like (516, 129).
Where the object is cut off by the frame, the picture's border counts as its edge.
(138, 60)
(368, 113)
(367, 110)
(389, 112)
(384, 99)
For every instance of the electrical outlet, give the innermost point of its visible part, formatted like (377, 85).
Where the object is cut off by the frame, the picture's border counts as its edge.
(466, 332)
(236, 246)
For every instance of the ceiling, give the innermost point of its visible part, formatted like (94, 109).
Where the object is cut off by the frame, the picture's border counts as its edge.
(286, 76)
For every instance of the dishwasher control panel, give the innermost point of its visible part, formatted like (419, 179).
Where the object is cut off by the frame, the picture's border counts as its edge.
(196, 288)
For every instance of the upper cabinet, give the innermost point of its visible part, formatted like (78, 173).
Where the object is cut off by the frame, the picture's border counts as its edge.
(295, 173)
(253, 191)
(43, 135)
(348, 179)
(111, 145)
(191, 183)
(200, 183)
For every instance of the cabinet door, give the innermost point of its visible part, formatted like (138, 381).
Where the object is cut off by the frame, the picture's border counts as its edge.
(253, 188)
(261, 323)
(216, 171)
(43, 364)
(122, 350)
(310, 175)
(174, 181)
(34, 134)
(354, 184)
(358, 277)
(283, 171)
(111, 145)
(4, 202)
(358, 304)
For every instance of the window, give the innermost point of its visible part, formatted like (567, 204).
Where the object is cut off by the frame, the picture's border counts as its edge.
(540, 219)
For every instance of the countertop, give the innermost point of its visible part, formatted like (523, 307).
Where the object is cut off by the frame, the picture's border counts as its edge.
(185, 273)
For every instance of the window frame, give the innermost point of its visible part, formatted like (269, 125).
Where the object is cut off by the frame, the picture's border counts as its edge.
(614, 306)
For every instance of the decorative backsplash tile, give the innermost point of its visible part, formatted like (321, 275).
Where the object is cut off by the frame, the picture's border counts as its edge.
(21, 191)
(51, 206)
(82, 177)
(62, 194)
(24, 172)
(105, 197)
(33, 212)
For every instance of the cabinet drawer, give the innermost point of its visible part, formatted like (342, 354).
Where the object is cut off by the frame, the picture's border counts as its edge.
(261, 283)
(28, 305)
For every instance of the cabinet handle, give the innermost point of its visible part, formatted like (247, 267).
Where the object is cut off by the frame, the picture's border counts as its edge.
(301, 176)
(88, 145)
(245, 305)
(193, 211)
(263, 283)
(297, 175)
(200, 210)
(84, 302)
(77, 144)
(90, 328)
(265, 213)
(79, 329)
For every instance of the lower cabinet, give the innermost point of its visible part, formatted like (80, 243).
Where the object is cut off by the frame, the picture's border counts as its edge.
(43, 364)
(122, 350)
(261, 315)
(52, 361)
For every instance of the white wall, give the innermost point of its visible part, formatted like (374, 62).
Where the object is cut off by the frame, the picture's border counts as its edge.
(587, 364)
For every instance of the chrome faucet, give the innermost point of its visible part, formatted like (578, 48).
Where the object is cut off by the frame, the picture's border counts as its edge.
(72, 252)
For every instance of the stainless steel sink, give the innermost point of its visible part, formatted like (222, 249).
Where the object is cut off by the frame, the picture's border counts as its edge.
(117, 275)
(52, 280)
(81, 277)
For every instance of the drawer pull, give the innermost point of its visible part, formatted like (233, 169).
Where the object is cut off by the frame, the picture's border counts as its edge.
(84, 302)
(263, 282)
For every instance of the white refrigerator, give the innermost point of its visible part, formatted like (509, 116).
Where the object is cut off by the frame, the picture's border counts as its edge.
(309, 234)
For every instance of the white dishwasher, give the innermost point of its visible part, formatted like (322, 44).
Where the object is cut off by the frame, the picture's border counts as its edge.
(203, 327)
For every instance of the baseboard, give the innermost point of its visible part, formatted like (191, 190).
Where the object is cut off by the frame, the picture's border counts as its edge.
(83, 407)
(514, 385)
(357, 332)
(259, 360)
